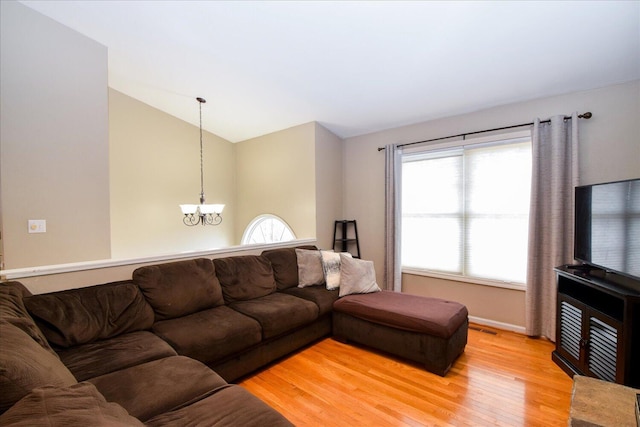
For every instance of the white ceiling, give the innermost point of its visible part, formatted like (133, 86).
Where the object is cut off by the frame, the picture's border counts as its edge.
(356, 67)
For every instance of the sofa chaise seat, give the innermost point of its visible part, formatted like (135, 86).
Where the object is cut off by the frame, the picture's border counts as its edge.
(430, 331)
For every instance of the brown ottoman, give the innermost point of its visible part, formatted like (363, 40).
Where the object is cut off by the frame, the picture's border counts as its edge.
(430, 331)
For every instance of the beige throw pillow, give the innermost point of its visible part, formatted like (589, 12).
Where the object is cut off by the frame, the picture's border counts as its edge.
(357, 276)
(310, 272)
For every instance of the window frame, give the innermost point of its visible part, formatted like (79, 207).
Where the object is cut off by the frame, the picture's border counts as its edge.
(433, 150)
(254, 224)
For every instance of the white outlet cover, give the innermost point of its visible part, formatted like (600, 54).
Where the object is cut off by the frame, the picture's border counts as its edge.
(37, 226)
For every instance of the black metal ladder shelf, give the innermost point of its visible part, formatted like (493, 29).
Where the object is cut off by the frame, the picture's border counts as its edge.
(346, 239)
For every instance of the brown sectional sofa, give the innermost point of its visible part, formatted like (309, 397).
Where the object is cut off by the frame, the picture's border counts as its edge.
(162, 348)
(159, 349)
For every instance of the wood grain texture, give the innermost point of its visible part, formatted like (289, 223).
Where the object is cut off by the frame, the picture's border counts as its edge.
(506, 379)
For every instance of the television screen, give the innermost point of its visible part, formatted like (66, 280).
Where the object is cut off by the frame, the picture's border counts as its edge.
(607, 226)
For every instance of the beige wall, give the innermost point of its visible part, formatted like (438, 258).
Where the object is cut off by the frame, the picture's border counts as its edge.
(328, 156)
(53, 141)
(154, 167)
(610, 151)
(276, 175)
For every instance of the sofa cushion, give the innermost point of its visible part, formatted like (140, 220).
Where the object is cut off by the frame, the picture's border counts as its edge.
(210, 335)
(79, 316)
(159, 386)
(245, 277)
(101, 357)
(77, 405)
(12, 310)
(285, 265)
(278, 313)
(179, 288)
(319, 295)
(25, 365)
(230, 406)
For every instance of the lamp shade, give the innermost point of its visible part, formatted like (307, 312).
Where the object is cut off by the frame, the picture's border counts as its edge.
(211, 209)
(188, 209)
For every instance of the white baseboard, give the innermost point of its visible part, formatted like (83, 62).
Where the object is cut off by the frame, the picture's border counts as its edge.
(498, 325)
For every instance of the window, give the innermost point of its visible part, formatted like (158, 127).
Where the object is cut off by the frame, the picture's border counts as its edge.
(465, 210)
(267, 229)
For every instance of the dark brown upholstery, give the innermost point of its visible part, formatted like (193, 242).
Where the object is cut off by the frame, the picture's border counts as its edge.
(76, 405)
(430, 331)
(413, 313)
(319, 295)
(240, 364)
(12, 310)
(156, 387)
(84, 315)
(210, 335)
(230, 406)
(278, 313)
(101, 357)
(150, 344)
(179, 288)
(25, 365)
(245, 277)
(285, 266)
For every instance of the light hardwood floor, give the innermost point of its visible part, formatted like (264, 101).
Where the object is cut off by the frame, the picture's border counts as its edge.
(505, 379)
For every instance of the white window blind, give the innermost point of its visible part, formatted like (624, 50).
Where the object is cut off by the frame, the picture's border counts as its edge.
(465, 211)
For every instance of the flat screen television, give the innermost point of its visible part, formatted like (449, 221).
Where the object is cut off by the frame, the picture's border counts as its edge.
(607, 227)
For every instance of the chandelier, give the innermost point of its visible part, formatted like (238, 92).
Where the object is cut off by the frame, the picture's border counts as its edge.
(203, 213)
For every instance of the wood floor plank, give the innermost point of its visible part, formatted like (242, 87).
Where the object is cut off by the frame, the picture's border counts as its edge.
(505, 379)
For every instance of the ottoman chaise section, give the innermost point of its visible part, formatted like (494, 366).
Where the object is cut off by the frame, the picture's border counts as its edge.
(430, 331)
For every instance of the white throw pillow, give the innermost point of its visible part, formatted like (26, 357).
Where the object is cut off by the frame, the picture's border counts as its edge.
(331, 267)
(310, 272)
(357, 276)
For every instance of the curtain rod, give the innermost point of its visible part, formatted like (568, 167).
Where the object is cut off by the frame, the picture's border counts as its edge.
(586, 115)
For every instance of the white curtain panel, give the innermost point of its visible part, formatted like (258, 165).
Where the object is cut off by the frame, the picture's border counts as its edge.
(554, 176)
(393, 218)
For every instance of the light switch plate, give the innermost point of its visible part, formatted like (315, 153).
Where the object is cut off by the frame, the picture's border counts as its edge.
(37, 226)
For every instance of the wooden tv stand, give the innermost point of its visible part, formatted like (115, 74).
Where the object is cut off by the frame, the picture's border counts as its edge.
(598, 325)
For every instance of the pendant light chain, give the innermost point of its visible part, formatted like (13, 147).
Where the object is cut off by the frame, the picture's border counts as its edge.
(201, 101)
(203, 214)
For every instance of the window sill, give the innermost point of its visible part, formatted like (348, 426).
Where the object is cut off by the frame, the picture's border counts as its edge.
(457, 278)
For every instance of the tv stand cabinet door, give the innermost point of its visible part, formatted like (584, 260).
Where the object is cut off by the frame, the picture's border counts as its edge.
(604, 347)
(570, 336)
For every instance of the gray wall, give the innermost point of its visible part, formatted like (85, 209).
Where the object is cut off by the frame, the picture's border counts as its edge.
(53, 140)
(609, 151)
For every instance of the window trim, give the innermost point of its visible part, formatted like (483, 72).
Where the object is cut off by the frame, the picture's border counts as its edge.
(465, 279)
(445, 149)
(255, 222)
(495, 139)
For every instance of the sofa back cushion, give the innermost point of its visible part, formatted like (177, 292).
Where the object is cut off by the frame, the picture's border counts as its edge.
(24, 365)
(79, 316)
(245, 277)
(12, 310)
(285, 265)
(180, 288)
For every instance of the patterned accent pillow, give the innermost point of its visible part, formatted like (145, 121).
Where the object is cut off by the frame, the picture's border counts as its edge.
(331, 268)
(357, 276)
